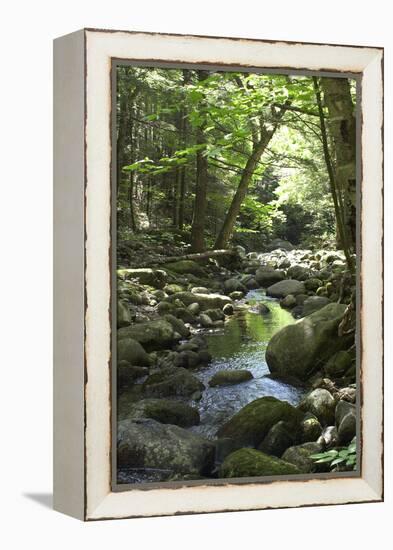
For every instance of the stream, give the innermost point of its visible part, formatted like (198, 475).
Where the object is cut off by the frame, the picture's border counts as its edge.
(241, 344)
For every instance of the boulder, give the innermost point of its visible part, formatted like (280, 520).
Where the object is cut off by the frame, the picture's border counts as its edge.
(163, 410)
(299, 456)
(266, 276)
(252, 463)
(230, 377)
(124, 317)
(127, 374)
(178, 325)
(165, 307)
(329, 437)
(170, 381)
(173, 288)
(231, 285)
(205, 301)
(284, 288)
(252, 423)
(346, 421)
(338, 364)
(236, 295)
(205, 320)
(310, 428)
(321, 404)
(215, 314)
(145, 276)
(298, 272)
(131, 351)
(186, 266)
(314, 303)
(146, 443)
(302, 348)
(187, 359)
(279, 437)
(288, 302)
(228, 309)
(157, 334)
(185, 315)
(194, 308)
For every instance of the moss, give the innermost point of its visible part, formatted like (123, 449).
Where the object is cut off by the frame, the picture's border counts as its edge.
(252, 423)
(186, 266)
(251, 463)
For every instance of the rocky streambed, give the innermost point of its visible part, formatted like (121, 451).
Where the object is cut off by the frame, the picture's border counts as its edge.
(234, 369)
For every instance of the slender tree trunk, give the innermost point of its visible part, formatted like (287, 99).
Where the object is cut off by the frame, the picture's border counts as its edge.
(198, 223)
(342, 127)
(245, 179)
(182, 190)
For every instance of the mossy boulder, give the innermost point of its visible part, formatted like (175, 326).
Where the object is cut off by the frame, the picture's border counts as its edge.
(338, 364)
(132, 351)
(252, 423)
(163, 410)
(302, 348)
(284, 288)
(124, 317)
(146, 443)
(178, 325)
(173, 288)
(171, 381)
(230, 377)
(231, 285)
(321, 404)
(299, 456)
(314, 303)
(205, 301)
(253, 463)
(145, 276)
(153, 335)
(186, 266)
(310, 427)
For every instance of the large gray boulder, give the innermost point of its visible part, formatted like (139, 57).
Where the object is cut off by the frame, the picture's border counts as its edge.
(170, 382)
(252, 423)
(321, 404)
(130, 350)
(163, 410)
(145, 443)
(302, 348)
(279, 243)
(153, 335)
(145, 276)
(284, 288)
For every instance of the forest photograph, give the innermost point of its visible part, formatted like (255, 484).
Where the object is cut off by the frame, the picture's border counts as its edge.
(236, 238)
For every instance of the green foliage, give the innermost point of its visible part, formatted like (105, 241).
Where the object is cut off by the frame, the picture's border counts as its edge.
(342, 458)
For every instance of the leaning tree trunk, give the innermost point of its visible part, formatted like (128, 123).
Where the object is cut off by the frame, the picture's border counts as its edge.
(342, 127)
(245, 179)
(198, 222)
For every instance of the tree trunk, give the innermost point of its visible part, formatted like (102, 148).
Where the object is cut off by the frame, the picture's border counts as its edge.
(198, 222)
(245, 179)
(341, 227)
(342, 127)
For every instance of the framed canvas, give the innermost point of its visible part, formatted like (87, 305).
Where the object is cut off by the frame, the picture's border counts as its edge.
(218, 267)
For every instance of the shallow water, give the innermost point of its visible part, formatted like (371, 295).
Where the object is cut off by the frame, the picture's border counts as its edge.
(241, 344)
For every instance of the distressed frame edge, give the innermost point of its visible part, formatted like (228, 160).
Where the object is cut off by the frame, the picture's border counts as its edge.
(374, 495)
(69, 489)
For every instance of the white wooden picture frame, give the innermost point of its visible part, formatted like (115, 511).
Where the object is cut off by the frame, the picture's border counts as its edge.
(83, 272)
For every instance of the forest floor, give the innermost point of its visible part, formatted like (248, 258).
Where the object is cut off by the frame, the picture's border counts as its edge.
(232, 366)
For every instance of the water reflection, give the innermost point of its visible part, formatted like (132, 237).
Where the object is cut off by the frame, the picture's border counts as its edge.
(242, 345)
